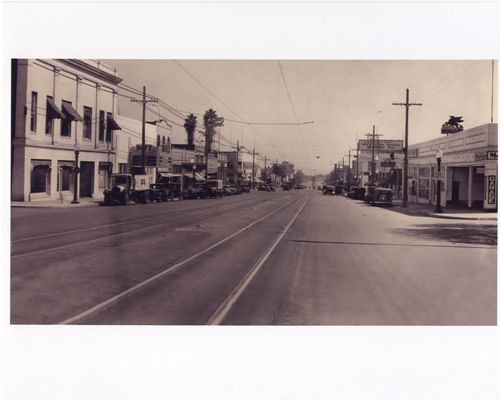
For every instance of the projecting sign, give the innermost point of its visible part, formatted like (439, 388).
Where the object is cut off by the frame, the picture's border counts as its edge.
(381, 146)
(491, 189)
(388, 163)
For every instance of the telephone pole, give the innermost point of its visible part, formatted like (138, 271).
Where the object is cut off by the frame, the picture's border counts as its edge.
(253, 168)
(143, 142)
(407, 106)
(237, 161)
(349, 170)
(373, 171)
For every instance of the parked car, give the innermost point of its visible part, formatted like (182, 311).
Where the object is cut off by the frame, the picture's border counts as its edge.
(357, 193)
(338, 189)
(228, 190)
(327, 189)
(379, 196)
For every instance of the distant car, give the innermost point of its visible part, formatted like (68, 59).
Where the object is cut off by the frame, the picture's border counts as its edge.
(379, 197)
(327, 189)
(287, 187)
(338, 189)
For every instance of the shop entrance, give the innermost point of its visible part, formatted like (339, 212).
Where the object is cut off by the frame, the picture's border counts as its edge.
(455, 192)
(86, 179)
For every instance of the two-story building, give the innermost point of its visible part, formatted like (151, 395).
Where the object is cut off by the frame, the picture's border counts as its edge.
(63, 117)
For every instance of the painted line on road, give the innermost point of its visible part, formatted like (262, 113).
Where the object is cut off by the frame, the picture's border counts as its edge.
(174, 267)
(222, 311)
(491, 247)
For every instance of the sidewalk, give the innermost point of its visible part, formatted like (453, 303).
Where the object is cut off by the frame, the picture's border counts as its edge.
(427, 210)
(86, 202)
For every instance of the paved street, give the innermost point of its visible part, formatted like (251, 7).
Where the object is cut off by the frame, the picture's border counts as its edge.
(283, 258)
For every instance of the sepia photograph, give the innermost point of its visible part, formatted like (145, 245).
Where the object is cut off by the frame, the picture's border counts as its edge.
(254, 192)
(252, 200)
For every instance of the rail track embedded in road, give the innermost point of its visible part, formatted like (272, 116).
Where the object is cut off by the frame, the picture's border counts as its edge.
(169, 269)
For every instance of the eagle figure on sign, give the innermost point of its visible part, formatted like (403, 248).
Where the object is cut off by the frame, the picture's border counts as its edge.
(453, 125)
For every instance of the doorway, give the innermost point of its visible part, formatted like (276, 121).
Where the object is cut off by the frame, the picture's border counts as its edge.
(86, 179)
(455, 190)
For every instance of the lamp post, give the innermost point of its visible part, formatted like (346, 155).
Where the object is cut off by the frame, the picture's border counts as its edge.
(439, 156)
(194, 170)
(76, 170)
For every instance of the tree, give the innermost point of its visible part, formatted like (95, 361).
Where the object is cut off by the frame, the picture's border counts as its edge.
(299, 177)
(209, 123)
(190, 126)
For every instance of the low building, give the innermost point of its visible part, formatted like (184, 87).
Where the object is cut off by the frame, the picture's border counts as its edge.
(63, 120)
(468, 169)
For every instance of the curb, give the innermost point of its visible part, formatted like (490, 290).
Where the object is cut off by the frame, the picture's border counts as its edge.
(55, 205)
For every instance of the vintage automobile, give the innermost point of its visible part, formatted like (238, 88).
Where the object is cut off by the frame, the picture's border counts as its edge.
(212, 189)
(327, 189)
(356, 193)
(379, 196)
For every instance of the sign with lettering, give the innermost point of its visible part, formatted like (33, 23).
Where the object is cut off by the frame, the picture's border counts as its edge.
(388, 163)
(487, 155)
(381, 146)
(491, 189)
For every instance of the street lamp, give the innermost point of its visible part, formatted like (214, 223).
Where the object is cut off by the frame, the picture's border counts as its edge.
(194, 170)
(76, 170)
(439, 156)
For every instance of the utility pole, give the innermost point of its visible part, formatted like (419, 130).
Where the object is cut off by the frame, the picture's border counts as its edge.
(407, 105)
(237, 161)
(253, 168)
(265, 168)
(372, 135)
(357, 162)
(143, 142)
(349, 170)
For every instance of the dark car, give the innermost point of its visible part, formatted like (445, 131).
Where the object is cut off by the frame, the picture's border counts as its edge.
(357, 193)
(327, 189)
(379, 196)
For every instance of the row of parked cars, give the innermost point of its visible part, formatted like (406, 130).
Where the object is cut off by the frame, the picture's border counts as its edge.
(374, 195)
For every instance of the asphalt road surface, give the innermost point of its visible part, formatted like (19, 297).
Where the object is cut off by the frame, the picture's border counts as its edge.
(282, 258)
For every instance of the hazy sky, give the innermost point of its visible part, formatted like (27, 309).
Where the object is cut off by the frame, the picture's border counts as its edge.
(342, 98)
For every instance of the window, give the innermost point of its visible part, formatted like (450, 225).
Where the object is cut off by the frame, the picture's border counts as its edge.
(49, 121)
(34, 104)
(66, 122)
(40, 176)
(87, 123)
(104, 174)
(102, 125)
(423, 188)
(65, 176)
(109, 132)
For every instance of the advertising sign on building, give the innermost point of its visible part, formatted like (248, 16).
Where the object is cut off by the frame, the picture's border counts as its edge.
(381, 146)
(487, 155)
(491, 189)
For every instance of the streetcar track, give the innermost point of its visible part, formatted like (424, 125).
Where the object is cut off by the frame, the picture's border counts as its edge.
(225, 307)
(93, 228)
(110, 236)
(169, 269)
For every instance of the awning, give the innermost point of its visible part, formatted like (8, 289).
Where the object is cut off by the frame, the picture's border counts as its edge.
(112, 124)
(53, 111)
(70, 112)
(168, 175)
(199, 177)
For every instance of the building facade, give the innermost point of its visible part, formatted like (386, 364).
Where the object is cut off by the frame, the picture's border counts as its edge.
(468, 170)
(63, 121)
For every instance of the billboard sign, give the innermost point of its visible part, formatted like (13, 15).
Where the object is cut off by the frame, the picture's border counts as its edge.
(381, 146)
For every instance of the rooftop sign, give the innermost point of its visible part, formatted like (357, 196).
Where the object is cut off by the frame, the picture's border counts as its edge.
(381, 146)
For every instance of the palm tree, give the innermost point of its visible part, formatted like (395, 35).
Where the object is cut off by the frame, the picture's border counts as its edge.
(209, 122)
(190, 126)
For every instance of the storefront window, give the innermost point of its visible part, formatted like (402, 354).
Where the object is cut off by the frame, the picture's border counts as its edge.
(423, 188)
(40, 176)
(65, 176)
(413, 188)
(104, 174)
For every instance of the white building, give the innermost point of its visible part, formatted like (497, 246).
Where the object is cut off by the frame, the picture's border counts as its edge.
(62, 110)
(468, 169)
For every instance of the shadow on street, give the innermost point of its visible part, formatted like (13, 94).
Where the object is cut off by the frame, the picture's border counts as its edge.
(454, 233)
